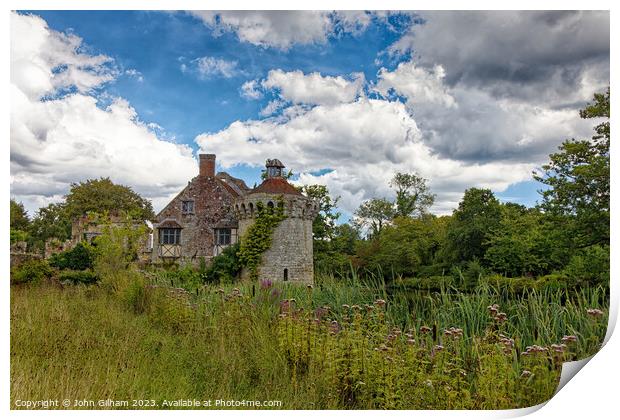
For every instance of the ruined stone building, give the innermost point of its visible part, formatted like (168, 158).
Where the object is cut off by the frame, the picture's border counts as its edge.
(215, 210)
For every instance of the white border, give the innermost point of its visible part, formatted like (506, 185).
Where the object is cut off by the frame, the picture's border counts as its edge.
(590, 394)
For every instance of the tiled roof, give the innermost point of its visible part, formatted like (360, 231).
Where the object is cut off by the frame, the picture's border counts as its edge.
(169, 224)
(276, 185)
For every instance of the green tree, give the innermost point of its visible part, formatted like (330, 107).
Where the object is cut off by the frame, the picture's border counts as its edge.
(520, 245)
(49, 222)
(117, 249)
(374, 214)
(478, 214)
(408, 246)
(19, 217)
(101, 195)
(324, 224)
(578, 177)
(413, 196)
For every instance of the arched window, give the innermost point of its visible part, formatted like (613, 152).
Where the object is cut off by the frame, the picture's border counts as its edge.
(243, 208)
(270, 204)
(286, 274)
(251, 209)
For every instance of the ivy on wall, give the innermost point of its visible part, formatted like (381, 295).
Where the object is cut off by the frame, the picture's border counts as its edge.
(259, 236)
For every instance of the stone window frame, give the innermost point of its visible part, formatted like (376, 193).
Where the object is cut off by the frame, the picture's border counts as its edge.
(169, 236)
(184, 206)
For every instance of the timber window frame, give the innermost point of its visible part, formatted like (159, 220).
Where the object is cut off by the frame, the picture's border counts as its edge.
(170, 236)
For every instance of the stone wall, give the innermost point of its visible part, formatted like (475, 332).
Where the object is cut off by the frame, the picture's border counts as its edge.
(291, 247)
(212, 202)
(291, 250)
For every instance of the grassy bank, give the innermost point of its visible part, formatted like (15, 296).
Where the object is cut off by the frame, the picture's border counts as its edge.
(332, 346)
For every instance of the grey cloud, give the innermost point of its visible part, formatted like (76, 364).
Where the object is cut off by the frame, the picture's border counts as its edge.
(538, 55)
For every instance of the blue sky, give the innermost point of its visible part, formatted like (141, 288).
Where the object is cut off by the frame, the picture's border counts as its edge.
(344, 100)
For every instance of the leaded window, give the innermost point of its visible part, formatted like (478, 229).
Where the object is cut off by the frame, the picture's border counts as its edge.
(222, 236)
(187, 207)
(169, 236)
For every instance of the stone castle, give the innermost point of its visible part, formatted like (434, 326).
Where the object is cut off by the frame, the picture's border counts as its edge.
(214, 211)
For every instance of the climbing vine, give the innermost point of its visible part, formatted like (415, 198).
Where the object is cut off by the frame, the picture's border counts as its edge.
(259, 236)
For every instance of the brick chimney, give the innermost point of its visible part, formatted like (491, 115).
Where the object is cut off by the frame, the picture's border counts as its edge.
(207, 165)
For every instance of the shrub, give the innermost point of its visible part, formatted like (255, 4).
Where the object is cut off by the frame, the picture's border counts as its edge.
(185, 276)
(468, 276)
(81, 257)
(224, 268)
(553, 281)
(18, 236)
(513, 284)
(75, 277)
(31, 271)
(433, 270)
(133, 295)
(589, 267)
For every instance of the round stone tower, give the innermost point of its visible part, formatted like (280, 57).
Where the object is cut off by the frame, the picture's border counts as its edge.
(290, 256)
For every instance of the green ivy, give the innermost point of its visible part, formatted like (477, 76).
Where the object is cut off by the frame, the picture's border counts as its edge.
(259, 236)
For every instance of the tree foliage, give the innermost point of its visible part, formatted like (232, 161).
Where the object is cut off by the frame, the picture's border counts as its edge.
(101, 195)
(406, 247)
(374, 214)
(413, 196)
(80, 257)
(324, 225)
(50, 222)
(19, 217)
(478, 214)
(578, 177)
(118, 250)
(519, 245)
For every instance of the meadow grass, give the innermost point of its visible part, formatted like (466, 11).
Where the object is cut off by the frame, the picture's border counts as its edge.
(347, 344)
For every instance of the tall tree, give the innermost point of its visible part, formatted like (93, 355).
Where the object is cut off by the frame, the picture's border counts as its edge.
(325, 222)
(374, 214)
(19, 217)
(100, 195)
(521, 244)
(478, 214)
(579, 179)
(413, 196)
(50, 222)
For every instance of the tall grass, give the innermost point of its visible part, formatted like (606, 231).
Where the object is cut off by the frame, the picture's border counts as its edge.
(333, 345)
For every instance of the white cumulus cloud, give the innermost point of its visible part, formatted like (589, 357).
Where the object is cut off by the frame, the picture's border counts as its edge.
(363, 143)
(283, 29)
(313, 88)
(71, 137)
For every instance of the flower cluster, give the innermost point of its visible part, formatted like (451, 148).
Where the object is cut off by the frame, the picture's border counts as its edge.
(499, 317)
(425, 330)
(534, 349)
(569, 339)
(558, 348)
(507, 343)
(595, 313)
(380, 303)
(453, 332)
